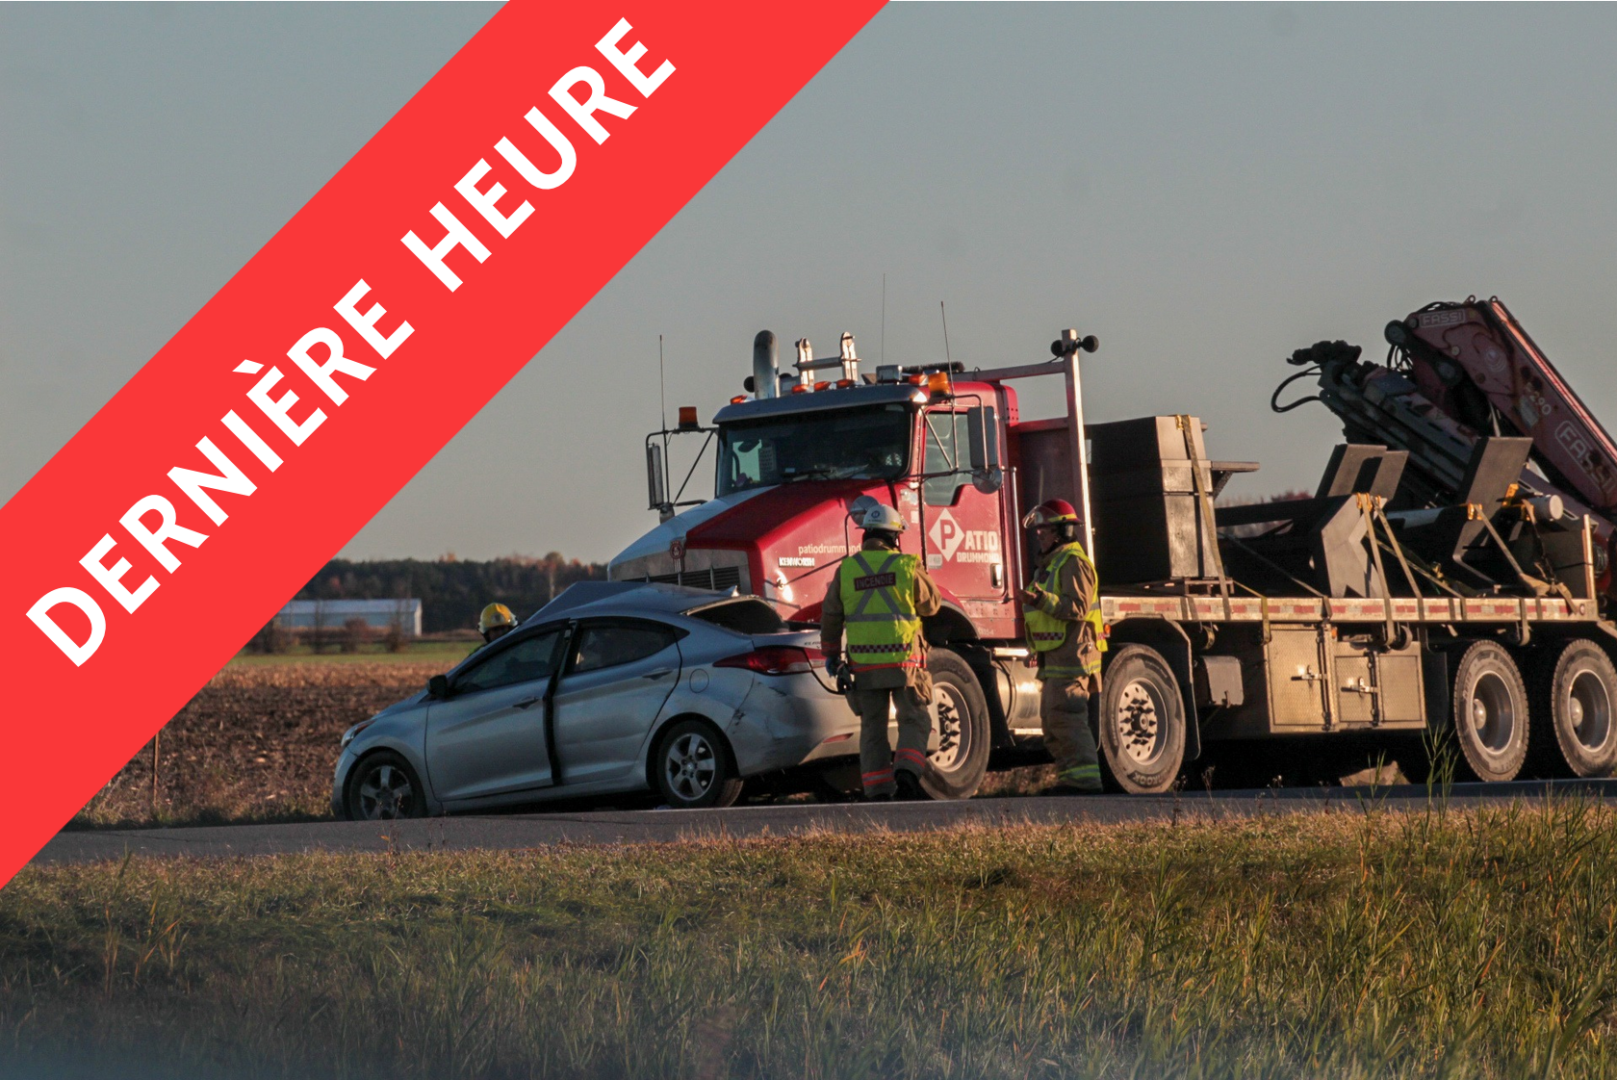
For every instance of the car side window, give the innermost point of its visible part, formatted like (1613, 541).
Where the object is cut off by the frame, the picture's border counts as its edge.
(605, 645)
(524, 661)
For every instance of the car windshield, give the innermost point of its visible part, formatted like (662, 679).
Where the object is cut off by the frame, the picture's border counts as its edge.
(871, 442)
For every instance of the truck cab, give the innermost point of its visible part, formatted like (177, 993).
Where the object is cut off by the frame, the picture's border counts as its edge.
(792, 471)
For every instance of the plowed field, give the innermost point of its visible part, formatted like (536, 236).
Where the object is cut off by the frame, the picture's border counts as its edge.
(257, 743)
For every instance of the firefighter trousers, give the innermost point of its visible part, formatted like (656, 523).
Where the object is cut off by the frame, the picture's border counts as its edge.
(876, 757)
(1064, 711)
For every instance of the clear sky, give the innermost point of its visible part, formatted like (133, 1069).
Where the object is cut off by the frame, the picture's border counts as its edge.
(1206, 188)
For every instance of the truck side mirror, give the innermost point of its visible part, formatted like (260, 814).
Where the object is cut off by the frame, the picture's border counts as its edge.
(982, 433)
(656, 481)
(438, 688)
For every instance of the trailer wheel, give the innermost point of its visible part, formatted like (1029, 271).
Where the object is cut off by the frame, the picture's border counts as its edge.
(959, 747)
(1490, 713)
(1141, 721)
(1574, 697)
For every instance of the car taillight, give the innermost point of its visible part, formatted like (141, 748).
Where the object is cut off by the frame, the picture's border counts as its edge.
(776, 660)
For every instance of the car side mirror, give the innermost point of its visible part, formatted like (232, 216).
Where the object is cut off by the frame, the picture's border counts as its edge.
(438, 688)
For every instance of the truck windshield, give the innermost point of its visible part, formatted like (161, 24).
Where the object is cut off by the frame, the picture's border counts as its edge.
(870, 442)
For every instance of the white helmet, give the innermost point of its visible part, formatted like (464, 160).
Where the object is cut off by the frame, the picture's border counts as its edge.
(882, 518)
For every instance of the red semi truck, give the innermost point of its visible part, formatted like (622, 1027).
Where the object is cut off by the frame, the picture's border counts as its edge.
(1301, 638)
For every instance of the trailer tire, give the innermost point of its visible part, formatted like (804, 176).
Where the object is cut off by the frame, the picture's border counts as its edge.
(1141, 722)
(1573, 729)
(1490, 714)
(960, 724)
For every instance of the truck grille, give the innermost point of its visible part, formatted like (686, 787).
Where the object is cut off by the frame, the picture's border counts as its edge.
(717, 578)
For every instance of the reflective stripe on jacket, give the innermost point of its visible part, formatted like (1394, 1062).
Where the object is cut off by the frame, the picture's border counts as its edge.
(1047, 633)
(878, 600)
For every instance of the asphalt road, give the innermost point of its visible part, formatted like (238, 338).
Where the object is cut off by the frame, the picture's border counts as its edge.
(516, 831)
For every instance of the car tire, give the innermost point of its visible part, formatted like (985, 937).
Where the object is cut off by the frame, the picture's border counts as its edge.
(692, 767)
(383, 787)
(1141, 722)
(1490, 715)
(1572, 730)
(960, 724)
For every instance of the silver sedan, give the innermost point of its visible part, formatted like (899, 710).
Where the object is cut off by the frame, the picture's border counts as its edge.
(613, 687)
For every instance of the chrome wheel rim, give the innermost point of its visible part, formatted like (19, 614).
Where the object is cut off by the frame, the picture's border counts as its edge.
(1138, 721)
(1493, 714)
(1588, 711)
(950, 734)
(690, 766)
(385, 793)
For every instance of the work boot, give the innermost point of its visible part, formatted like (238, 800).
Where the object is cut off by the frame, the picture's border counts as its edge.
(1077, 780)
(909, 787)
(878, 796)
(1064, 788)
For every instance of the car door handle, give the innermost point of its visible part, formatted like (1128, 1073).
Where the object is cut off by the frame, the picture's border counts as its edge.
(659, 673)
(525, 703)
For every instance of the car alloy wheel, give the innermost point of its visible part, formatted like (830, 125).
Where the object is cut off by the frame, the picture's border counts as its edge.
(384, 788)
(690, 766)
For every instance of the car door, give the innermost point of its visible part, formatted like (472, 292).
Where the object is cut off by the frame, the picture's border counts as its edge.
(489, 737)
(619, 673)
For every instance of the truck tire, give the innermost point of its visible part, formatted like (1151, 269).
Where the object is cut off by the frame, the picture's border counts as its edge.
(1490, 714)
(1141, 721)
(960, 726)
(1572, 702)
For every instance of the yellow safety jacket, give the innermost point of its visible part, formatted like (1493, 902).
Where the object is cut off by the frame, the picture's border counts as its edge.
(878, 598)
(1045, 632)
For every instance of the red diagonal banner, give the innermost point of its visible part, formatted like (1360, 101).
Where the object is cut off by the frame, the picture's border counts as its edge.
(497, 202)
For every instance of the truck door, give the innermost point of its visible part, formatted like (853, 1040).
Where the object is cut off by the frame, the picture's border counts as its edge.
(963, 526)
(489, 737)
(619, 674)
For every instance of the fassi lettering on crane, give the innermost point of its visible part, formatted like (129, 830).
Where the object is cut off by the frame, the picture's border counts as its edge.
(285, 418)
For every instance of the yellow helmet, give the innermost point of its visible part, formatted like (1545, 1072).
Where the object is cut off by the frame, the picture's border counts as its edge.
(496, 617)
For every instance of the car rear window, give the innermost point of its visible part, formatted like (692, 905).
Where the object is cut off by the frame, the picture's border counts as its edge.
(746, 616)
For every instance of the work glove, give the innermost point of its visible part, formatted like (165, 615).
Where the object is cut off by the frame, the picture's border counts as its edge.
(833, 665)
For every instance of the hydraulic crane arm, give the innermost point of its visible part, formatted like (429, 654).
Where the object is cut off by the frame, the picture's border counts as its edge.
(1477, 365)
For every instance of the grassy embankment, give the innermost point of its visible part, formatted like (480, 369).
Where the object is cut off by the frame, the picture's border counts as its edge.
(1353, 944)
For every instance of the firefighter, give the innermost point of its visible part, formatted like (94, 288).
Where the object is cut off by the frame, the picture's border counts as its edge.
(495, 622)
(1061, 608)
(879, 596)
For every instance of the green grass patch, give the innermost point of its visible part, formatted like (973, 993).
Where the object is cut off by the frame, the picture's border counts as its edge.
(1352, 944)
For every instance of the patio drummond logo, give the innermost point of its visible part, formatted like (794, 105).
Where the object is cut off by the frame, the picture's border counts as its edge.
(474, 225)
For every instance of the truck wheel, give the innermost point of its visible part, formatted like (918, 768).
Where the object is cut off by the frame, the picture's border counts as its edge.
(1571, 732)
(960, 731)
(1142, 721)
(1490, 713)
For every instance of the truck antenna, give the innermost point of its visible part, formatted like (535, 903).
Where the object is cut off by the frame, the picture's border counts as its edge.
(662, 383)
(945, 313)
(884, 318)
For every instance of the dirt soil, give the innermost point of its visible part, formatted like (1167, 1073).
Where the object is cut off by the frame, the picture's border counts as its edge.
(257, 743)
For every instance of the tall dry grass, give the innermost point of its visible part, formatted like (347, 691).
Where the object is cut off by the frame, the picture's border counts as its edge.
(1356, 944)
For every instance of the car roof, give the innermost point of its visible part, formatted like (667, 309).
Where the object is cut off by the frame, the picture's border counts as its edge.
(591, 598)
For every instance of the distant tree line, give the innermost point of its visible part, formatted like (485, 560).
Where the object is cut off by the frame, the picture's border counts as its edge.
(452, 592)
